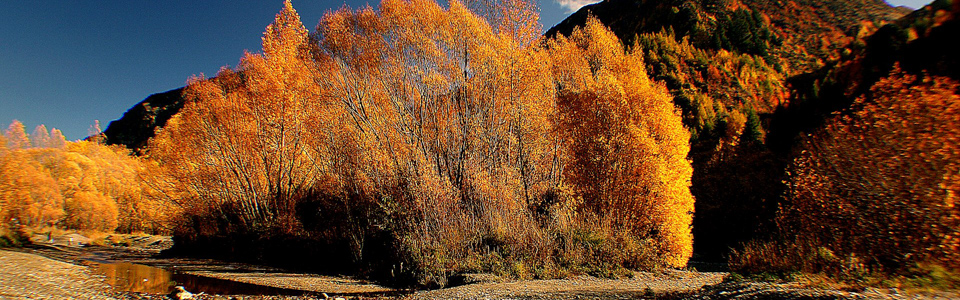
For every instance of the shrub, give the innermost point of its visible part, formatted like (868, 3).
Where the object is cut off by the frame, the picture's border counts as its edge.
(874, 192)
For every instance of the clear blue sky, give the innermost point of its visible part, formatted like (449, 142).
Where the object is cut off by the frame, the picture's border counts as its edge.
(66, 63)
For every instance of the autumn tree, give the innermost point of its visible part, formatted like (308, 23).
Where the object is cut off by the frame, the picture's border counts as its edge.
(40, 137)
(454, 122)
(57, 140)
(237, 149)
(29, 195)
(628, 146)
(98, 181)
(71, 185)
(435, 138)
(418, 140)
(16, 136)
(879, 183)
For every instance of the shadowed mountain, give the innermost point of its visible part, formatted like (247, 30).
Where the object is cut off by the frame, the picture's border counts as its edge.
(138, 124)
(803, 33)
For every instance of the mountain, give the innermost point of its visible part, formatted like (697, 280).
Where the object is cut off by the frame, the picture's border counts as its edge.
(137, 125)
(802, 32)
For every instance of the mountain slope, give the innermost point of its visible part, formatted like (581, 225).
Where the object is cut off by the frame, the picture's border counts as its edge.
(811, 30)
(138, 124)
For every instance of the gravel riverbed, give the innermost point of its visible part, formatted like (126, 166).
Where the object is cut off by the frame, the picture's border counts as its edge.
(58, 273)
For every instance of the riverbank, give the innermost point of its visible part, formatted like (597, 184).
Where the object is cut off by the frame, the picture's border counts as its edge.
(58, 272)
(30, 276)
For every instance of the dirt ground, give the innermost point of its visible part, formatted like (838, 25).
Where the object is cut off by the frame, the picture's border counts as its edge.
(30, 276)
(643, 285)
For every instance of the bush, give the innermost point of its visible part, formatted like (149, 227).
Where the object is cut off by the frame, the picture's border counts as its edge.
(872, 194)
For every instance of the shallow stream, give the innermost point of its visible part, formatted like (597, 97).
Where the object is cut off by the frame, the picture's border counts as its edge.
(129, 277)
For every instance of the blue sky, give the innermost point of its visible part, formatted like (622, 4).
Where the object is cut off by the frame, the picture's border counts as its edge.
(66, 63)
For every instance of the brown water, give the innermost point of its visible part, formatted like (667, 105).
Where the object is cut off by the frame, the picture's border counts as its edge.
(130, 277)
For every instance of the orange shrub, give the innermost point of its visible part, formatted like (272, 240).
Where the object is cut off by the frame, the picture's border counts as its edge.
(881, 182)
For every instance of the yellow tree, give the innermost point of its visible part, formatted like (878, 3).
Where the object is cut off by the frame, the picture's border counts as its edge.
(4, 203)
(30, 196)
(102, 185)
(238, 145)
(627, 145)
(57, 140)
(40, 137)
(76, 185)
(431, 106)
(16, 136)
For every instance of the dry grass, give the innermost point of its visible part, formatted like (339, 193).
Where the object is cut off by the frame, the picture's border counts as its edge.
(810, 265)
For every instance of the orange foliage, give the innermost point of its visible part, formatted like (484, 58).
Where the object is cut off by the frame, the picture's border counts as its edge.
(428, 133)
(880, 182)
(28, 195)
(239, 143)
(75, 185)
(627, 143)
(16, 136)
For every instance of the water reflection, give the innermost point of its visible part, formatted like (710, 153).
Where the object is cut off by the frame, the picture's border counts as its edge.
(129, 277)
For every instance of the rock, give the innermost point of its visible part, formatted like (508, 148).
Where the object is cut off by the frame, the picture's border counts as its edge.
(72, 239)
(40, 238)
(179, 293)
(472, 278)
(327, 297)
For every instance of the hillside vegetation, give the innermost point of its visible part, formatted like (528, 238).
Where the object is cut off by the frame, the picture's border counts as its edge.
(871, 194)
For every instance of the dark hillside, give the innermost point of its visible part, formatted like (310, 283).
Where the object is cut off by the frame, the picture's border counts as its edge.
(139, 122)
(921, 42)
(875, 144)
(811, 31)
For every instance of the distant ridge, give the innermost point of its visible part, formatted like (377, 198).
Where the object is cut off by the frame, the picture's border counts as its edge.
(803, 24)
(137, 125)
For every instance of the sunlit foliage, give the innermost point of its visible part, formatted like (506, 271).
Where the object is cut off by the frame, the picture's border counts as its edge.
(48, 181)
(422, 140)
(627, 144)
(716, 90)
(238, 146)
